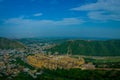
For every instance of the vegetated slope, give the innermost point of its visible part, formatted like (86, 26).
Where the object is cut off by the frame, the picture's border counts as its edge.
(10, 44)
(89, 48)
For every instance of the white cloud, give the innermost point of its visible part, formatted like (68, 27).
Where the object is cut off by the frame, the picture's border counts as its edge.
(30, 22)
(100, 15)
(102, 10)
(69, 21)
(38, 14)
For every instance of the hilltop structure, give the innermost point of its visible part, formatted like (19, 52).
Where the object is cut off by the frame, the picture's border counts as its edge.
(55, 61)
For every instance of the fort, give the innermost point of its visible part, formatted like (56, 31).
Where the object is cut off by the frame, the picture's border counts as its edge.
(55, 61)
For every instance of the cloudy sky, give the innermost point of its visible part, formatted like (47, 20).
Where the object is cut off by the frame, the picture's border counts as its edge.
(60, 18)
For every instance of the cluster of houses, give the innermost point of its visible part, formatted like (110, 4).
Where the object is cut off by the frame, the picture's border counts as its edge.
(10, 68)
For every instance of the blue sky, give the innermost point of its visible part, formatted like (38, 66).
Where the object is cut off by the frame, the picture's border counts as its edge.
(60, 18)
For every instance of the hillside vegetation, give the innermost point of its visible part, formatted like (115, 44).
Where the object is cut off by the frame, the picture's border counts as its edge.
(10, 44)
(89, 48)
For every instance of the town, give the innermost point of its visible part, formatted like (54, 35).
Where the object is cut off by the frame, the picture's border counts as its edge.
(33, 59)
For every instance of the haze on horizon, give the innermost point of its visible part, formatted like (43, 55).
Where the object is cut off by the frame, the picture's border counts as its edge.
(60, 18)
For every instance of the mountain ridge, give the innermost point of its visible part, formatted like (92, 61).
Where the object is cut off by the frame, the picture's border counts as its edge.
(88, 47)
(6, 43)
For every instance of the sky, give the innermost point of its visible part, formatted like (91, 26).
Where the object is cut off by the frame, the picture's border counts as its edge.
(60, 18)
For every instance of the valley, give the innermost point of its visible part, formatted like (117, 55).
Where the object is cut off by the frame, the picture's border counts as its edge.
(43, 59)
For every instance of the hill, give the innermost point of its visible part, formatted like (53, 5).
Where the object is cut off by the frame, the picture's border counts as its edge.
(10, 44)
(88, 47)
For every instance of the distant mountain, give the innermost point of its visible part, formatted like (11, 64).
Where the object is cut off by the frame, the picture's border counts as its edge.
(88, 47)
(10, 44)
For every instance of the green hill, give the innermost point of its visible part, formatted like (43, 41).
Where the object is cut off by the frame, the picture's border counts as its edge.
(10, 44)
(89, 48)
